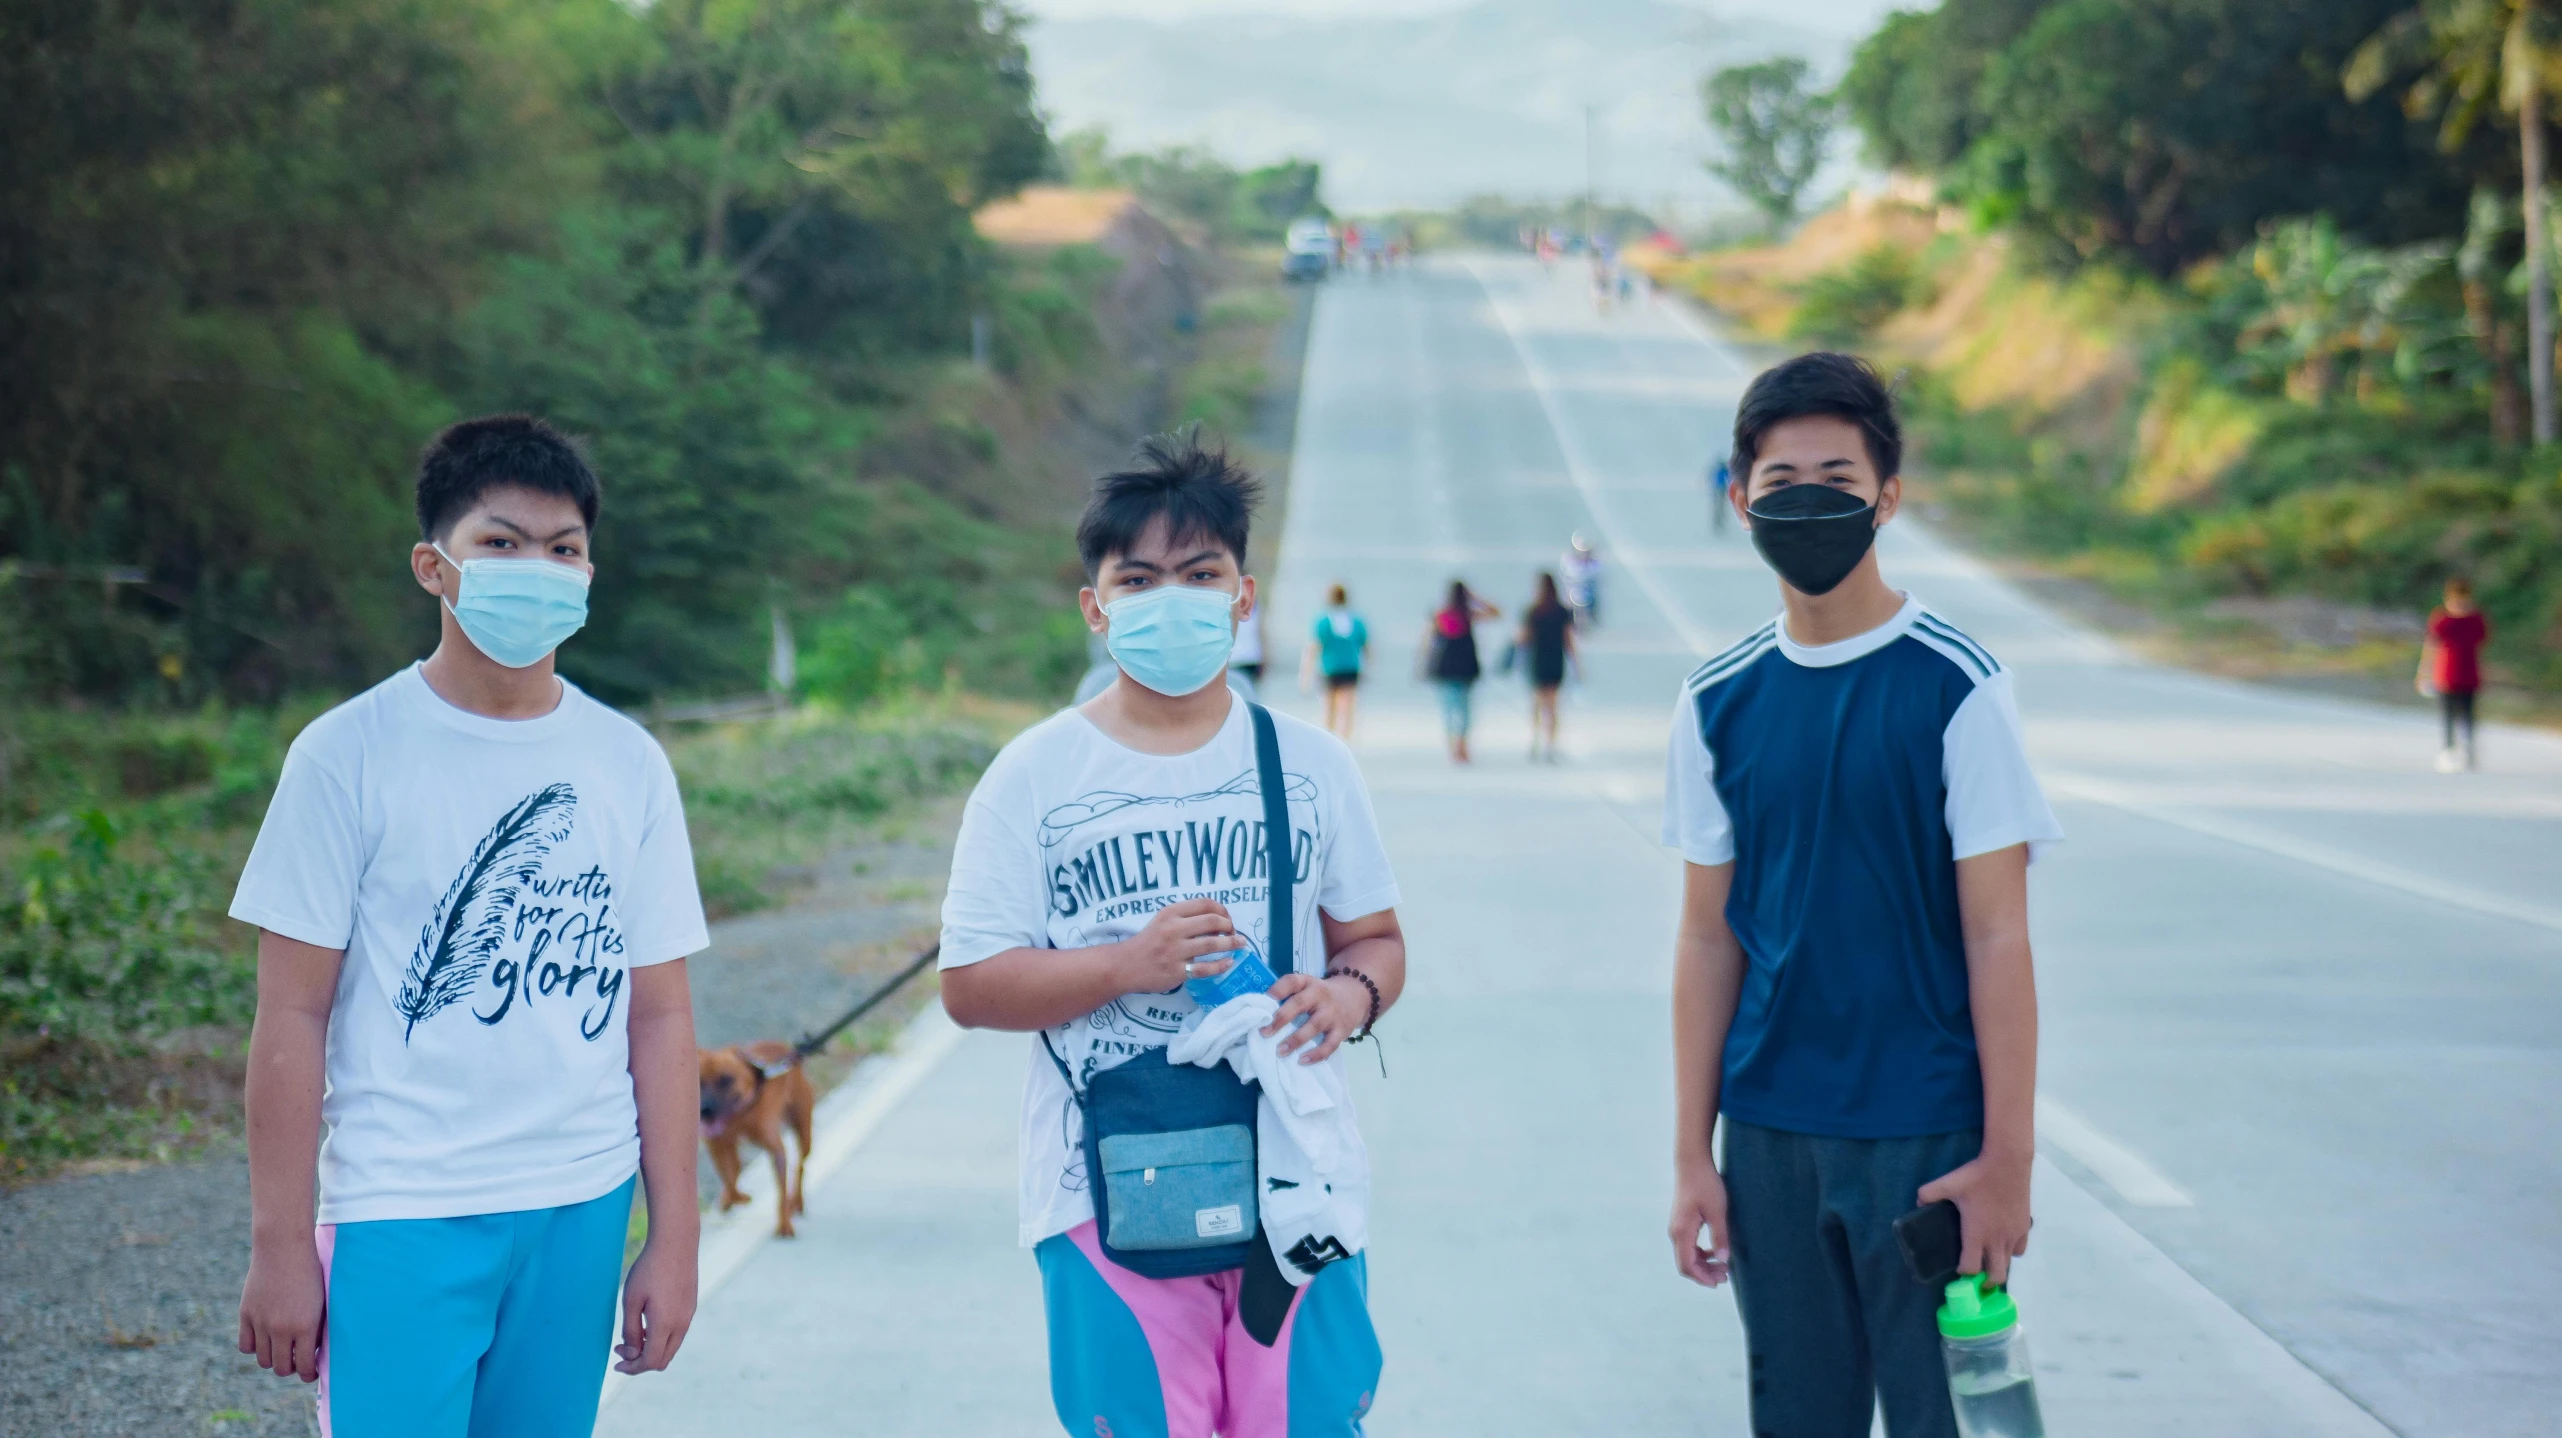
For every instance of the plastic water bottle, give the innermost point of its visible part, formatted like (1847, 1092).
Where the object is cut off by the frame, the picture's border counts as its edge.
(1987, 1354)
(1248, 975)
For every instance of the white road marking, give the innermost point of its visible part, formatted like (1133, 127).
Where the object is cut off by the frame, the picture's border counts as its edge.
(1542, 385)
(2120, 1167)
(2118, 796)
(846, 1117)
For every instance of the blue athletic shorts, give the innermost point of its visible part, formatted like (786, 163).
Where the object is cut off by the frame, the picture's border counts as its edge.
(496, 1325)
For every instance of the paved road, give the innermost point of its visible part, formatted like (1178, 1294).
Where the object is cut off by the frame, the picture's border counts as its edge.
(2301, 994)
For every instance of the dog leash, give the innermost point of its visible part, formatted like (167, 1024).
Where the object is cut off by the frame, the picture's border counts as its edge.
(817, 1041)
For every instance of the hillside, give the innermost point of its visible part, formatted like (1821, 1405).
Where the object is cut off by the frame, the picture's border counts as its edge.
(1422, 110)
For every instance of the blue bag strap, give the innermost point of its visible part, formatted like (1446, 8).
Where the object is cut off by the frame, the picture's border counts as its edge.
(1279, 862)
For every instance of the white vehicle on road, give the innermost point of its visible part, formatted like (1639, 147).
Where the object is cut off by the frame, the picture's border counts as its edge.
(1308, 253)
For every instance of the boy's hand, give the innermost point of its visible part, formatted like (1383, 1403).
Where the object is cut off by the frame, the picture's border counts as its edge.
(1164, 953)
(1992, 1209)
(281, 1308)
(1335, 1010)
(1699, 1201)
(658, 1306)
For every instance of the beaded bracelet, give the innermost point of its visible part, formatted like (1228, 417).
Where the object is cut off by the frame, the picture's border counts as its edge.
(1364, 981)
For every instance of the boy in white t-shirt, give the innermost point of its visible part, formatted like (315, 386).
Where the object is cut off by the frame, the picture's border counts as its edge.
(475, 898)
(1110, 854)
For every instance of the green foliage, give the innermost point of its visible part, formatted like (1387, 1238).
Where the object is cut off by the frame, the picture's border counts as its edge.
(1184, 182)
(260, 250)
(1774, 126)
(1498, 220)
(1848, 305)
(2163, 131)
(98, 946)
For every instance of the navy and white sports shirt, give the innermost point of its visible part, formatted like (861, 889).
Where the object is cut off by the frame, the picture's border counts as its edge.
(1844, 782)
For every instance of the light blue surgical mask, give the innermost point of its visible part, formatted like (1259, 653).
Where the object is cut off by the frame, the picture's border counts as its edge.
(518, 610)
(1174, 639)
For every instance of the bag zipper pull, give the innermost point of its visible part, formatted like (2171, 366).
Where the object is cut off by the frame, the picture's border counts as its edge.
(1147, 1176)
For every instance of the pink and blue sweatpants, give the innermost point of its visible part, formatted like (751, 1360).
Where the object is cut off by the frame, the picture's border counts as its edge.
(1134, 1357)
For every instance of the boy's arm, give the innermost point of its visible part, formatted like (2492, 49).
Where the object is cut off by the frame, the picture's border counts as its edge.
(1707, 977)
(659, 1293)
(282, 1302)
(1373, 945)
(2001, 980)
(1028, 989)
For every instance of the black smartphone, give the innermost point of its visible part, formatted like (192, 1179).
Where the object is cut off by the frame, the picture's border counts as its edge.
(1929, 1236)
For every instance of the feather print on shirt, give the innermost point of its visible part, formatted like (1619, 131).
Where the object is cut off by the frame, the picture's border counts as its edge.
(470, 922)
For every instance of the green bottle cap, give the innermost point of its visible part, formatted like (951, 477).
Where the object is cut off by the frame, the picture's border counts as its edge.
(1974, 1310)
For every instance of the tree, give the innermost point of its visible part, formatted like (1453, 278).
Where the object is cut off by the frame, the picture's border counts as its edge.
(2158, 131)
(2473, 55)
(1775, 129)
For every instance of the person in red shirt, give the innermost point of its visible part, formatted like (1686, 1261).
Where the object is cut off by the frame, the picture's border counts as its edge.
(2451, 668)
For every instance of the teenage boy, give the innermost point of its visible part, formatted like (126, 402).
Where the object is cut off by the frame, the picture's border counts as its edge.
(1852, 987)
(1113, 852)
(475, 898)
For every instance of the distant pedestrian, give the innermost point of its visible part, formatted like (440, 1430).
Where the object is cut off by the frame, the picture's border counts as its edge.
(1853, 993)
(1547, 646)
(2451, 668)
(1336, 651)
(1450, 661)
(1580, 571)
(1719, 477)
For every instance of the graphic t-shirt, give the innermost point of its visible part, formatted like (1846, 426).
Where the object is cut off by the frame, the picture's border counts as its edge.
(1072, 840)
(1844, 782)
(1340, 636)
(2459, 639)
(494, 883)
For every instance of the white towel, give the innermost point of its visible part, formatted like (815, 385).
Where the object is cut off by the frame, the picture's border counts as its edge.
(1313, 1174)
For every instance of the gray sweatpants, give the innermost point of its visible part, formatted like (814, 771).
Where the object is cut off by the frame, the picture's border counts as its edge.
(1834, 1323)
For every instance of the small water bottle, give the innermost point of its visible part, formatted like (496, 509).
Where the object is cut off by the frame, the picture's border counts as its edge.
(1987, 1354)
(1248, 975)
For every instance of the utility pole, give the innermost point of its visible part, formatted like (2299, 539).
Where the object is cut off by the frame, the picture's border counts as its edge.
(2539, 264)
(1591, 234)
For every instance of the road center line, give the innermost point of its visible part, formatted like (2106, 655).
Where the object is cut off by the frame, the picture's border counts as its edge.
(1541, 385)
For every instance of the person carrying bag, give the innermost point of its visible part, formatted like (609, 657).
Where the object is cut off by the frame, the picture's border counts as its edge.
(1185, 896)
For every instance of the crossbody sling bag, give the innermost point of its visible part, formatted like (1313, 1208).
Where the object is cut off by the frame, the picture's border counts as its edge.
(1169, 1148)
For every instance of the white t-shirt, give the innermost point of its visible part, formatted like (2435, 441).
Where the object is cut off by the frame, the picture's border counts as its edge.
(493, 882)
(1072, 840)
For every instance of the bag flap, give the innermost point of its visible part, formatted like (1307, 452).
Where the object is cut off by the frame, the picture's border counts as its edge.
(1131, 1152)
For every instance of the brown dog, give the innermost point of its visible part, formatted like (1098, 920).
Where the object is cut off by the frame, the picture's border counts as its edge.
(751, 1091)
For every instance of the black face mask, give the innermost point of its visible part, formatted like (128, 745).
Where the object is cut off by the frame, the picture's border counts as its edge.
(1813, 534)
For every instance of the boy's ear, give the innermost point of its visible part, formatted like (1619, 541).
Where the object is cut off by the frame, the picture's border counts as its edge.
(1091, 604)
(1890, 498)
(427, 567)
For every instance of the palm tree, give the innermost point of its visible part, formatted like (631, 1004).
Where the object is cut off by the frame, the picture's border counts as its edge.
(2474, 54)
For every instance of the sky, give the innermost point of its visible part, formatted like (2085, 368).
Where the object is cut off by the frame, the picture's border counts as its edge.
(1419, 103)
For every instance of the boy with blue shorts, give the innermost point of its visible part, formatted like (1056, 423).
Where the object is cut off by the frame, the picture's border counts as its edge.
(475, 898)
(1853, 994)
(1111, 854)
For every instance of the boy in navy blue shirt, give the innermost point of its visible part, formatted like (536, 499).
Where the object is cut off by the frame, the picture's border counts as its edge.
(1852, 989)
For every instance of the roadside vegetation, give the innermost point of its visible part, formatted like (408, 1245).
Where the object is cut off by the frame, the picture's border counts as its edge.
(264, 249)
(2218, 305)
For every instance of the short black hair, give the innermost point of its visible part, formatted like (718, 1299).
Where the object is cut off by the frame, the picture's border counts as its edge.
(1193, 487)
(469, 459)
(1842, 386)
